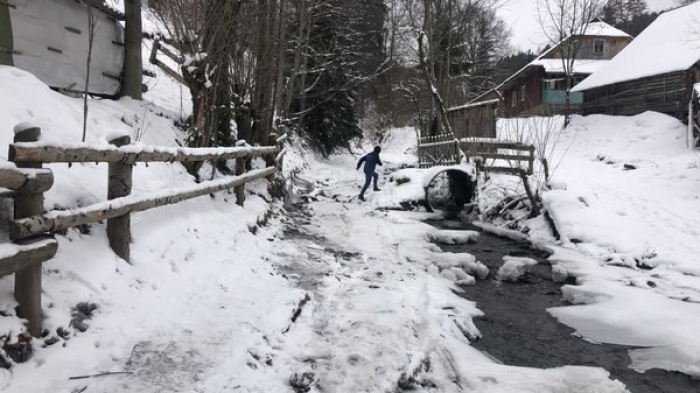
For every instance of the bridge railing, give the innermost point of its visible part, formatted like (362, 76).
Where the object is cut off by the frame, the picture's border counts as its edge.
(488, 154)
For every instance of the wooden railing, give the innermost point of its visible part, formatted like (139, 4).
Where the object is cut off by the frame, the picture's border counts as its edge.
(438, 150)
(31, 229)
(489, 155)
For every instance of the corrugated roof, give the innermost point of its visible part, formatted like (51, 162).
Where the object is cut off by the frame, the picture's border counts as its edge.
(671, 43)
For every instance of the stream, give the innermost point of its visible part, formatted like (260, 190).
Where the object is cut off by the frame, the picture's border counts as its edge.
(517, 329)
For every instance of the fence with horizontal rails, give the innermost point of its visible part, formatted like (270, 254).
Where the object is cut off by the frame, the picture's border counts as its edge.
(492, 155)
(31, 229)
(489, 155)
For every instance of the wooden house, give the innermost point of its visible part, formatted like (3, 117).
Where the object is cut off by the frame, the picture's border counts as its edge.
(655, 72)
(50, 39)
(540, 86)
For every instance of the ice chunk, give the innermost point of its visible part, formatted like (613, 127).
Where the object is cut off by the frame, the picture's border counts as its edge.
(514, 268)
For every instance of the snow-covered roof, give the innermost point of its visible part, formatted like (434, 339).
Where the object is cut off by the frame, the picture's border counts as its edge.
(580, 66)
(671, 43)
(602, 29)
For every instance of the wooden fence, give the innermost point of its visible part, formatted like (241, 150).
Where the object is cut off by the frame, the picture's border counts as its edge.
(437, 150)
(31, 229)
(489, 155)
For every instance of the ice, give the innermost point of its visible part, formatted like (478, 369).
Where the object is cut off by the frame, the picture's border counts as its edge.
(514, 268)
(452, 236)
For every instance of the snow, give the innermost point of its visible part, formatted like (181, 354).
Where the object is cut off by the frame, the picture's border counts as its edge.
(580, 66)
(514, 268)
(452, 237)
(602, 29)
(669, 44)
(629, 237)
(199, 295)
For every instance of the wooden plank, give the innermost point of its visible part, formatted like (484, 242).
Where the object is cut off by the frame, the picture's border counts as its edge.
(503, 169)
(20, 152)
(60, 220)
(497, 156)
(26, 181)
(17, 257)
(483, 145)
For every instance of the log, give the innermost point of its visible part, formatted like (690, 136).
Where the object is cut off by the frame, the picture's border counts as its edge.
(28, 280)
(17, 257)
(60, 220)
(130, 154)
(119, 185)
(240, 189)
(282, 139)
(26, 181)
(280, 156)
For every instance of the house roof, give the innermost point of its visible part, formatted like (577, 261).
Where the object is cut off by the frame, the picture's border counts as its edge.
(602, 29)
(671, 43)
(580, 66)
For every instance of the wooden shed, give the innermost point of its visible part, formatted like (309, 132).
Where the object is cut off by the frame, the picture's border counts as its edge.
(476, 119)
(656, 72)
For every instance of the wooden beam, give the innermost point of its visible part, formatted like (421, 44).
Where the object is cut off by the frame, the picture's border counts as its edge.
(26, 181)
(34, 252)
(496, 156)
(119, 184)
(60, 220)
(129, 155)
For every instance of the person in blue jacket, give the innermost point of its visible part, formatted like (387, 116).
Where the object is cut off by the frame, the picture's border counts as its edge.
(371, 161)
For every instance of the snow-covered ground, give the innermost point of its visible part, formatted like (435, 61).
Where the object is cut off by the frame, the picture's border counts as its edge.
(627, 204)
(385, 300)
(208, 306)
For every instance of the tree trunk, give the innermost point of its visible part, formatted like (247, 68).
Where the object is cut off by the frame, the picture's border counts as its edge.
(133, 68)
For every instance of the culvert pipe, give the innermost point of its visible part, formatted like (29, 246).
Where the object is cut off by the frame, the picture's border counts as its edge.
(449, 188)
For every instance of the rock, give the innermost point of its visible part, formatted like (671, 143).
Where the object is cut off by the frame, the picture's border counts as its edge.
(51, 341)
(302, 383)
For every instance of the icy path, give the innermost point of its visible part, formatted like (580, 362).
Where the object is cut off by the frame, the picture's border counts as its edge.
(376, 318)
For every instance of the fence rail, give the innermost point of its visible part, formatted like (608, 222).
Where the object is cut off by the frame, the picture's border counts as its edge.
(31, 229)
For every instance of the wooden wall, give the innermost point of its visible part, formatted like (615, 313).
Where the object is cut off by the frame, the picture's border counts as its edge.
(474, 120)
(513, 98)
(666, 93)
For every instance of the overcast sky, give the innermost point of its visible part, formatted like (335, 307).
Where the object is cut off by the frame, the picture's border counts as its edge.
(521, 16)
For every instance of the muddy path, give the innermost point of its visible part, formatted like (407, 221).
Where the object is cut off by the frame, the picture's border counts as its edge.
(517, 329)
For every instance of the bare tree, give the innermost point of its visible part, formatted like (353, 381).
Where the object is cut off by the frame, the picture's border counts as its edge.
(564, 23)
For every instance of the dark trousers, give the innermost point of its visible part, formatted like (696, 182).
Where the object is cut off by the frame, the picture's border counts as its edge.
(368, 179)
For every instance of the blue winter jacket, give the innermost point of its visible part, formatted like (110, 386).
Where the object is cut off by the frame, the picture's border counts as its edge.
(371, 161)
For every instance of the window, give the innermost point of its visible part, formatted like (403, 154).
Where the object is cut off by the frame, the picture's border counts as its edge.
(514, 98)
(598, 47)
(522, 93)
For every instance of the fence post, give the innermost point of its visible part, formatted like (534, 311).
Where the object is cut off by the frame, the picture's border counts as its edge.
(119, 185)
(28, 280)
(240, 190)
(531, 161)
